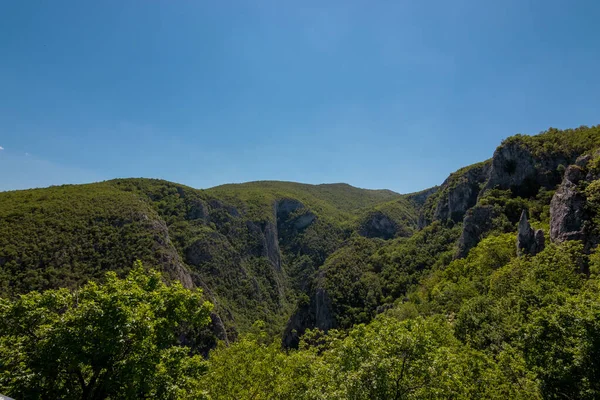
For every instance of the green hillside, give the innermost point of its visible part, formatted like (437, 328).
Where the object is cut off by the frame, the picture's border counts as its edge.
(229, 240)
(486, 286)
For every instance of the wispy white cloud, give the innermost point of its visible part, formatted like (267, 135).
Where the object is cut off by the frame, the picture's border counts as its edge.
(1, 148)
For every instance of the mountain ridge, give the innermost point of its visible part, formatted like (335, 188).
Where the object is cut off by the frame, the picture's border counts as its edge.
(265, 249)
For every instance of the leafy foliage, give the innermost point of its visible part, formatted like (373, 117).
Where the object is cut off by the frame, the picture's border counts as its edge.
(411, 321)
(124, 338)
(227, 239)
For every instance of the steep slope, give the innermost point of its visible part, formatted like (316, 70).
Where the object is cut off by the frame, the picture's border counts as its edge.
(253, 247)
(488, 198)
(492, 292)
(523, 173)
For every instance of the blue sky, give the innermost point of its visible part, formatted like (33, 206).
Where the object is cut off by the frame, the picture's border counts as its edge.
(378, 94)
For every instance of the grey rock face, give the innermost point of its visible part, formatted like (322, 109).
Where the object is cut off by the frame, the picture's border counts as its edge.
(528, 241)
(462, 195)
(323, 316)
(168, 257)
(421, 197)
(292, 216)
(287, 206)
(218, 327)
(477, 222)
(316, 313)
(303, 221)
(512, 165)
(377, 224)
(540, 240)
(567, 208)
(265, 236)
(272, 245)
(515, 168)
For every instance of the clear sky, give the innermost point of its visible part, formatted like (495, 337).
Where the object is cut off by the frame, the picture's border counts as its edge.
(378, 94)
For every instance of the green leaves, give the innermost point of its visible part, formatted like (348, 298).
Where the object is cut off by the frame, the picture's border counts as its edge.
(122, 338)
(386, 359)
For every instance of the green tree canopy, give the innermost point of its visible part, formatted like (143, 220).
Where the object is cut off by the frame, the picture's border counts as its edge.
(120, 339)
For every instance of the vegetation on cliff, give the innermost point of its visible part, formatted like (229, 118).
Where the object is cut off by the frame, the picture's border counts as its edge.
(377, 295)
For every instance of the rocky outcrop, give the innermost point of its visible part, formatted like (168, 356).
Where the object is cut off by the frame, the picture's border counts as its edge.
(460, 193)
(293, 214)
(167, 255)
(314, 313)
(528, 241)
(419, 198)
(477, 222)
(574, 209)
(285, 207)
(514, 167)
(455, 196)
(379, 225)
(218, 327)
(567, 208)
(292, 218)
(272, 245)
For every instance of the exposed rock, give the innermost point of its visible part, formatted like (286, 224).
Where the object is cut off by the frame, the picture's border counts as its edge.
(422, 221)
(528, 241)
(197, 210)
(218, 327)
(583, 161)
(540, 240)
(377, 224)
(314, 313)
(303, 221)
(323, 316)
(460, 193)
(168, 257)
(567, 208)
(297, 325)
(272, 244)
(292, 217)
(286, 206)
(477, 222)
(419, 198)
(574, 174)
(266, 241)
(514, 167)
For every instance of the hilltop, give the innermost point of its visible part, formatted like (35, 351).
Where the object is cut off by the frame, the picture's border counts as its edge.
(491, 277)
(251, 246)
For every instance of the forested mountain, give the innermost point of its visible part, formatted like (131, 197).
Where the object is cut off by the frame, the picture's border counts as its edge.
(484, 287)
(252, 247)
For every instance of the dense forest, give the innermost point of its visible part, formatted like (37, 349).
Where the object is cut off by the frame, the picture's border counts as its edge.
(487, 286)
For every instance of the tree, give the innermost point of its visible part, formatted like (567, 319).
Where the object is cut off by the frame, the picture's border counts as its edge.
(255, 368)
(120, 339)
(414, 359)
(562, 345)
